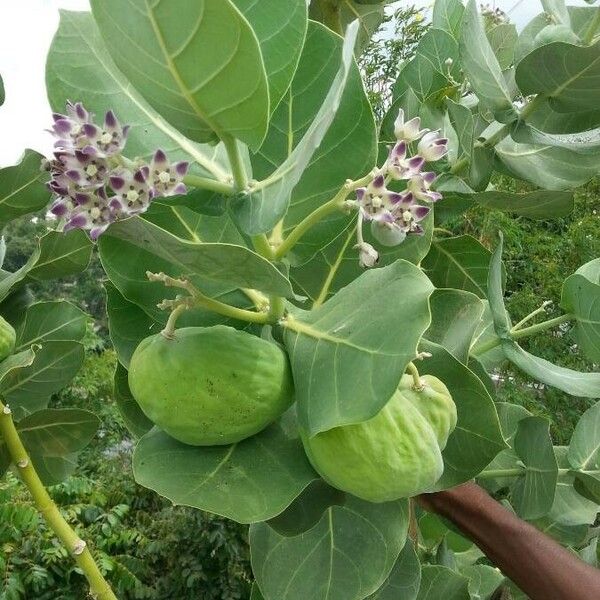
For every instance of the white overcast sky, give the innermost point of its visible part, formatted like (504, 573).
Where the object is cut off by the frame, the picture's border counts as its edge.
(26, 30)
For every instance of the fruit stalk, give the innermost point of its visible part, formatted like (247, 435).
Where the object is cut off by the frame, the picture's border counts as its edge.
(99, 587)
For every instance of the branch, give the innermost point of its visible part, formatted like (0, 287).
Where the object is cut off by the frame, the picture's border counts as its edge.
(99, 587)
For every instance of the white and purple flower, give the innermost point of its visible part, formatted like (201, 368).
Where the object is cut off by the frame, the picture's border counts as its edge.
(167, 178)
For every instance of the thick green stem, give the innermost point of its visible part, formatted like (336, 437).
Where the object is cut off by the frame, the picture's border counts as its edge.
(543, 326)
(263, 247)
(209, 184)
(591, 31)
(277, 310)
(521, 333)
(241, 314)
(502, 133)
(235, 159)
(99, 587)
(330, 207)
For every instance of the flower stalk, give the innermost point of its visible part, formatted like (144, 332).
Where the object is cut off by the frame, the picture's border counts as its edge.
(99, 587)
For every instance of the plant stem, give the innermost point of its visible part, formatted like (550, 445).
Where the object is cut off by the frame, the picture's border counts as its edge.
(592, 29)
(527, 331)
(535, 313)
(263, 247)
(260, 301)
(521, 333)
(241, 314)
(209, 184)
(277, 308)
(235, 159)
(495, 473)
(99, 587)
(503, 132)
(331, 206)
(417, 381)
(516, 472)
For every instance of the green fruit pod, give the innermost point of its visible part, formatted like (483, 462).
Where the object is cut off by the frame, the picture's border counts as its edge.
(8, 339)
(210, 385)
(397, 453)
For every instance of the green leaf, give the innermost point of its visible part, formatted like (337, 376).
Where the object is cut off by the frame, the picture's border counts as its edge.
(336, 265)
(460, 262)
(51, 321)
(477, 438)
(575, 383)
(584, 452)
(128, 324)
(22, 189)
(568, 75)
(260, 210)
(323, 563)
(503, 38)
(348, 355)
(542, 204)
(551, 168)
(462, 121)
(585, 142)
(427, 74)
(28, 389)
(2, 94)
(348, 147)
(61, 255)
(455, 316)
(448, 15)
(229, 264)
(581, 298)
(56, 255)
(58, 432)
(15, 362)
(255, 593)
(200, 67)
(79, 67)
(440, 582)
(53, 470)
(572, 382)
(404, 580)
(483, 580)
(280, 28)
(533, 494)
(570, 508)
(251, 481)
(482, 68)
(307, 509)
(135, 420)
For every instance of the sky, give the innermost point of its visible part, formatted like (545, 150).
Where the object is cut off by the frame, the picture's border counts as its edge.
(26, 30)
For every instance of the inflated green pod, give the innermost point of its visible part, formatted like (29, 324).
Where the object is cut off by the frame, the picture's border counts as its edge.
(8, 338)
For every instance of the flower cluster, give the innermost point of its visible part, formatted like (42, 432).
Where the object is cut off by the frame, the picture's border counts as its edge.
(395, 215)
(93, 184)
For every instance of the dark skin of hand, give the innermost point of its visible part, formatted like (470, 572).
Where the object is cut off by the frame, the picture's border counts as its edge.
(534, 562)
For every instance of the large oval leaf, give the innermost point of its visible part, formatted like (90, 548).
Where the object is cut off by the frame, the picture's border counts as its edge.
(280, 26)
(79, 68)
(200, 66)
(251, 481)
(323, 563)
(348, 355)
(22, 189)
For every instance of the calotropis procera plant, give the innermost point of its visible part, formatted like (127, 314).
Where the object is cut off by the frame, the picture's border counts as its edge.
(250, 282)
